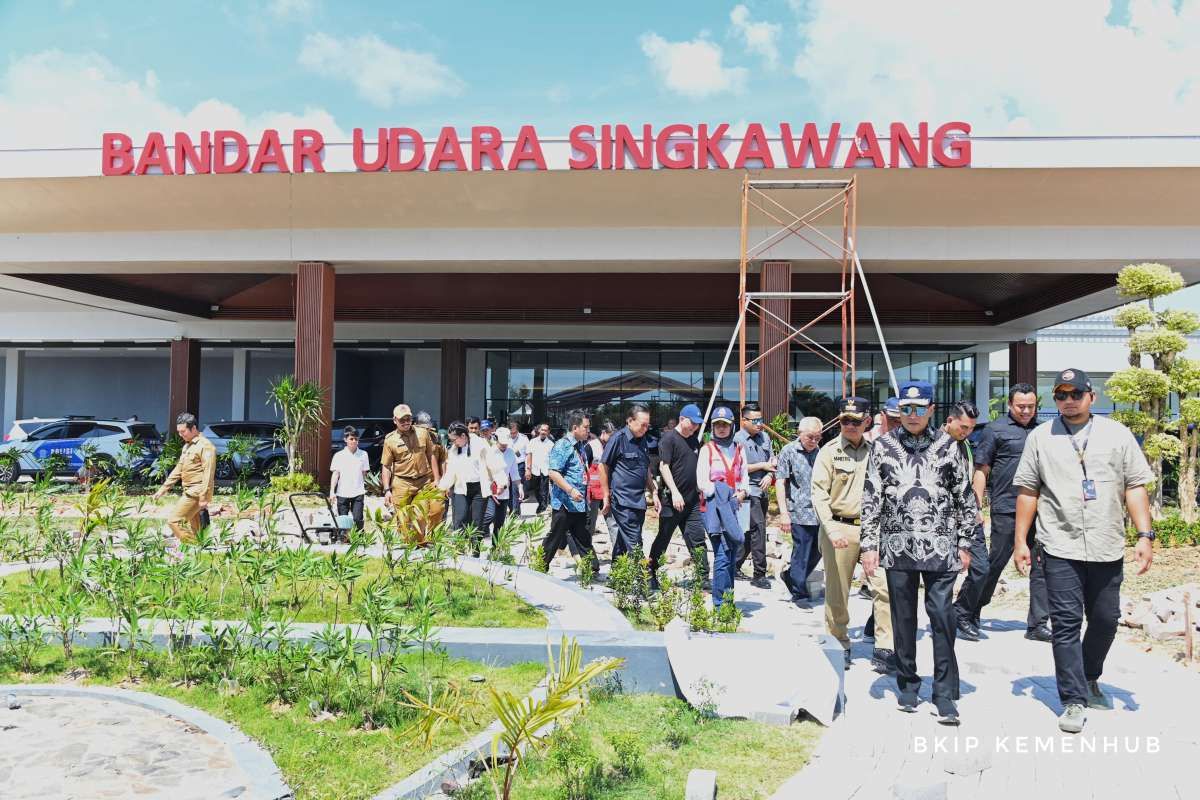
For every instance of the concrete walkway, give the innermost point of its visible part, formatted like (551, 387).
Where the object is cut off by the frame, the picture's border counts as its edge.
(1008, 745)
(95, 742)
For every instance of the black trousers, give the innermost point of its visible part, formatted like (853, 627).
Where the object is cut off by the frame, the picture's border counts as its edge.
(689, 522)
(352, 506)
(569, 527)
(939, 591)
(539, 489)
(1078, 589)
(468, 509)
(627, 535)
(977, 592)
(495, 512)
(756, 537)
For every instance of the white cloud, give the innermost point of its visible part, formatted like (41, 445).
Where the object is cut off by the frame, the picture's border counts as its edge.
(383, 75)
(692, 69)
(1070, 73)
(761, 38)
(56, 99)
(292, 9)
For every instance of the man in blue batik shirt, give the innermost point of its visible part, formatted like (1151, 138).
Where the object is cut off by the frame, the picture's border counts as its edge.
(568, 467)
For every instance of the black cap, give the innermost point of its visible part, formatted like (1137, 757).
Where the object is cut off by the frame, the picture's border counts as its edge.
(853, 407)
(1075, 378)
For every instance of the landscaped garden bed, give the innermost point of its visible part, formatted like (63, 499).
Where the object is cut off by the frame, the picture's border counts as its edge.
(330, 728)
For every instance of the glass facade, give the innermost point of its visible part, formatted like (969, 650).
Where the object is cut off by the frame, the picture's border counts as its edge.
(544, 384)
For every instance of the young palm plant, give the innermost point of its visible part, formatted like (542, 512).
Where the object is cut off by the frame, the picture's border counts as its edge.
(301, 405)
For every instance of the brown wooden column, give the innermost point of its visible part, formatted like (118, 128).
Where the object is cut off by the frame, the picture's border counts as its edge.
(774, 371)
(184, 381)
(454, 380)
(1022, 363)
(314, 355)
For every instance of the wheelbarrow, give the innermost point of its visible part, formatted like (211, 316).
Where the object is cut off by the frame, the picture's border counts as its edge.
(323, 525)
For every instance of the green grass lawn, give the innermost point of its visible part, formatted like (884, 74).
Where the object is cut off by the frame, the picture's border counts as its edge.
(471, 603)
(751, 759)
(331, 759)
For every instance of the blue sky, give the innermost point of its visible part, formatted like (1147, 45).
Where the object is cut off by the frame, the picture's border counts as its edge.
(1025, 66)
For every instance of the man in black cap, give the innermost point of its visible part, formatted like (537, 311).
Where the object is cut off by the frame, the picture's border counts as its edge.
(837, 497)
(1080, 474)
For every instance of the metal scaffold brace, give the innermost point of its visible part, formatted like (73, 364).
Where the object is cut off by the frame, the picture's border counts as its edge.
(757, 195)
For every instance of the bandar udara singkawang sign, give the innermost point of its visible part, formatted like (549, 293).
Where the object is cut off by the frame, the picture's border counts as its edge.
(606, 147)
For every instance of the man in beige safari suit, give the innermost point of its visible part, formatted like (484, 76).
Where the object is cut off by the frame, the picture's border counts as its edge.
(837, 486)
(197, 470)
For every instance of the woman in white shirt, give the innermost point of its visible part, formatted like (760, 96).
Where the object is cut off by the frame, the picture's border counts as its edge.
(474, 473)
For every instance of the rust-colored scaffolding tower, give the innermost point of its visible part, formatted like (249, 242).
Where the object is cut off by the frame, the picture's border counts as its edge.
(758, 195)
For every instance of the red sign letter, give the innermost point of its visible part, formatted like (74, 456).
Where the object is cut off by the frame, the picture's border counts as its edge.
(154, 154)
(395, 164)
(489, 147)
(185, 154)
(448, 149)
(960, 148)
(585, 146)
(643, 158)
(918, 156)
(709, 144)
(270, 151)
(865, 145)
(241, 149)
(675, 155)
(810, 142)
(527, 148)
(116, 154)
(756, 146)
(381, 151)
(307, 143)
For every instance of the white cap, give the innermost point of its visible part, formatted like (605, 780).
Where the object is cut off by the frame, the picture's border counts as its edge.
(503, 436)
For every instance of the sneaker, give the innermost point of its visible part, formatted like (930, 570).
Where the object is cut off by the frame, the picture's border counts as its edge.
(864, 592)
(761, 583)
(847, 659)
(883, 661)
(908, 702)
(1072, 719)
(1097, 699)
(967, 631)
(1039, 634)
(946, 712)
(802, 603)
(654, 586)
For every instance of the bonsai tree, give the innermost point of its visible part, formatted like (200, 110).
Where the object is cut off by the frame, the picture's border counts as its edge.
(301, 406)
(1185, 381)
(1161, 335)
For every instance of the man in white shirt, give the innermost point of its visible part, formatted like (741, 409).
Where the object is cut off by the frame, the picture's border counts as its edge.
(347, 484)
(520, 446)
(537, 466)
(508, 497)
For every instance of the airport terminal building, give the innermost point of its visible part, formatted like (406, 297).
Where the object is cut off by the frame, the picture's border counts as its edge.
(535, 276)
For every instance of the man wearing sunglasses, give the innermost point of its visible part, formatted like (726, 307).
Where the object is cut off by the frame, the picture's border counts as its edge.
(837, 497)
(1080, 474)
(918, 519)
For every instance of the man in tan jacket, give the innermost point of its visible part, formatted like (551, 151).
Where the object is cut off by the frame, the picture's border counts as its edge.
(196, 470)
(837, 490)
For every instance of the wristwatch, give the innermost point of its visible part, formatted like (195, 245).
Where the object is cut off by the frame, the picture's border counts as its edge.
(1146, 535)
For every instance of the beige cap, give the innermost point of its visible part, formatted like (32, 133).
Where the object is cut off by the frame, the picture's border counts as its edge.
(401, 411)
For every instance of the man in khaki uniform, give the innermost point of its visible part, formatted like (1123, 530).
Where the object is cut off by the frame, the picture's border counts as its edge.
(410, 463)
(196, 469)
(837, 486)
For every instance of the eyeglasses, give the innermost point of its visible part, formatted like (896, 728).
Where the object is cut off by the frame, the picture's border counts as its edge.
(854, 423)
(914, 411)
(753, 421)
(1074, 394)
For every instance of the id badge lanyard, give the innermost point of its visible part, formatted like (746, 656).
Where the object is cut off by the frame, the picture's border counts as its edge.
(1089, 486)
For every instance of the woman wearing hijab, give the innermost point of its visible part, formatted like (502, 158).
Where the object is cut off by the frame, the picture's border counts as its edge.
(723, 483)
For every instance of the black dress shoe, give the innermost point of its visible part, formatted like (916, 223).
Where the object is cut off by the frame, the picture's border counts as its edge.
(946, 712)
(883, 661)
(1039, 634)
(864, 592)
(967, 631)
(760, 583)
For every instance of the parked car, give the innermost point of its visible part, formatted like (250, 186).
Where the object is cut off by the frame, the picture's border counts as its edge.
(23, 427)
(70, 436)
(272, 459)
(265, 434)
